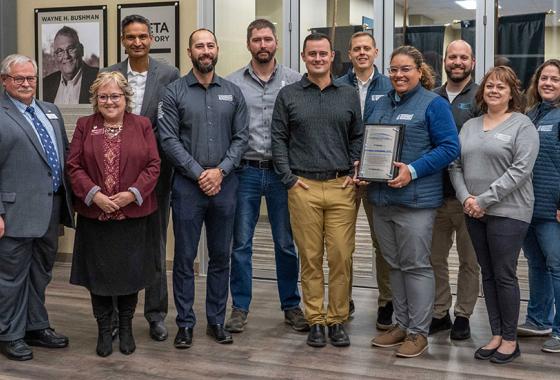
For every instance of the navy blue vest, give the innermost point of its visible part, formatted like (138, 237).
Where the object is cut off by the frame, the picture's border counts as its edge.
(546, 173)
(410, 110)
(380, 85)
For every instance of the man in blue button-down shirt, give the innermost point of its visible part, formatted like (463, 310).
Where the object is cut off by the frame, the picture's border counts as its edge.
(260, 81)
(203, 130)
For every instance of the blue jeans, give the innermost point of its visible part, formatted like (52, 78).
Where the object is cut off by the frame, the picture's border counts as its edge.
(542, 250)
(253, 184)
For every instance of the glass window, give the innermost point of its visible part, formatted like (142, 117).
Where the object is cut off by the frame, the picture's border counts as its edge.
(430, 25)
(527, 35)
(231, 21)
(351, 16)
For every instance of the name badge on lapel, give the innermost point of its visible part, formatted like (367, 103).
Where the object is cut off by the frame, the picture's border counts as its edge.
(96, 131)
(51, 116)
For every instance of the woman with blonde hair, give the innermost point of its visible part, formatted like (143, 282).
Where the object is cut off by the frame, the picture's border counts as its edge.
(113, 165)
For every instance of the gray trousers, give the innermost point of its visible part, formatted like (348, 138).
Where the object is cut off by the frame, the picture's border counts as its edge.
(25, 271)
(405, 237)
(155, 297)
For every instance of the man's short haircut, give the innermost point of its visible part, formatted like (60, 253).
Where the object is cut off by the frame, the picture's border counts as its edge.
(130, 19)
(15, 59)
(456, 41)
(200, 30)
(68, 32)
(316, 37)
(361, 34)
(259, 24)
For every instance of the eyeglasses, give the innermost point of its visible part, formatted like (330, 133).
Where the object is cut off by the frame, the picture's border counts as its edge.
(71, 50)
(104, 98)
(20, 80)
(394, 70)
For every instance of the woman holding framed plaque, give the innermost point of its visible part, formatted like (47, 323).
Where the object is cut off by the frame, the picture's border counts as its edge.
(404, 207)
(492, 179)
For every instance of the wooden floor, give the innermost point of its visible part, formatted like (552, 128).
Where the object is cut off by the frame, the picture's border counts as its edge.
(268, 349)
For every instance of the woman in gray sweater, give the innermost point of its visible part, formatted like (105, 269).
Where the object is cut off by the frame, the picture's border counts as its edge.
(492, 179)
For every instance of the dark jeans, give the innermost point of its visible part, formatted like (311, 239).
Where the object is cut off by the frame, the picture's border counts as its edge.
(191, 208)
(497, 242)
(253, 184)
(542, 250)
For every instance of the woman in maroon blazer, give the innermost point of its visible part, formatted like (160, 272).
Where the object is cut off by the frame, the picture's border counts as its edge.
(113, 166)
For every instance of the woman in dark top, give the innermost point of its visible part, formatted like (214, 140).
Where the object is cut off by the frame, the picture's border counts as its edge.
(113, 166)
(542, 243)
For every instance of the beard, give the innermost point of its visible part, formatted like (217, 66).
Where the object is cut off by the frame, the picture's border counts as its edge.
(260, 59)
(457, 78)
(204, 69)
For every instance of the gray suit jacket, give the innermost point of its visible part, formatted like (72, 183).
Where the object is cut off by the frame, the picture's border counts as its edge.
(159, 76)
(26, 192)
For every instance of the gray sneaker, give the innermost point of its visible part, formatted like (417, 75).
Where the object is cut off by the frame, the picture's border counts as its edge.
(237, 321)
(529, 329)
(552, 345)
(296, 319)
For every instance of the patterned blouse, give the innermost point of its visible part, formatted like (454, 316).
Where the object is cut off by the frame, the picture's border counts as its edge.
(111, 163)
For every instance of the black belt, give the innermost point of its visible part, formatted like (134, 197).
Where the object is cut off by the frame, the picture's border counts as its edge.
(321, 176)
(265, 164)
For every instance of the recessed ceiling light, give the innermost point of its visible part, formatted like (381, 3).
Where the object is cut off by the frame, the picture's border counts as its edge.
(467, 4)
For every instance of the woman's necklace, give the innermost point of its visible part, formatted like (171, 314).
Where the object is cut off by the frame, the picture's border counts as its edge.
(112, 129)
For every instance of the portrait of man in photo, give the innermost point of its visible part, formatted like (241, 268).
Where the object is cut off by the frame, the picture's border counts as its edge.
(70, 83)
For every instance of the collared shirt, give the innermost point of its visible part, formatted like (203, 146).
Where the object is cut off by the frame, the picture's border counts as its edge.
(137, 82)
(363, 89)
(316, 130)
(69, 91)
(203, 127)
(42, 118)
(464, 108)
(260, 97)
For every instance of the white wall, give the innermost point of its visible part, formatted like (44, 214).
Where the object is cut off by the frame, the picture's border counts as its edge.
(359, 8)
(231, 20)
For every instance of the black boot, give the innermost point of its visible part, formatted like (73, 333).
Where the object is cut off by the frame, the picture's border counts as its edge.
(127, 306)
(102, 310)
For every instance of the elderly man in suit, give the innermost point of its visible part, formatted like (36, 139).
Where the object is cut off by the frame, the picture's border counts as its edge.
(71, 83)
(34, 199)
(148, 79)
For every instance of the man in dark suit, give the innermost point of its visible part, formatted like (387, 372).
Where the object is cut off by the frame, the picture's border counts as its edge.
(148, 79)
(69, 85)
(34, 199)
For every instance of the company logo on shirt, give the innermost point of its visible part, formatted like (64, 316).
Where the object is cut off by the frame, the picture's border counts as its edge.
(405, 116)
(502, 137)
(226, 98)
(464, 106)
(375, 98)
(545, 128)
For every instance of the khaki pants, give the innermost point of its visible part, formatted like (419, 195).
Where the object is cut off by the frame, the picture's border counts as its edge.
(450, 218)
(324, 214)
(382, 269)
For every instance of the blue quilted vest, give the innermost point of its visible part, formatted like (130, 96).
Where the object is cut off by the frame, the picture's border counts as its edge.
(546, 173)
(410, 110)
(379, 87)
